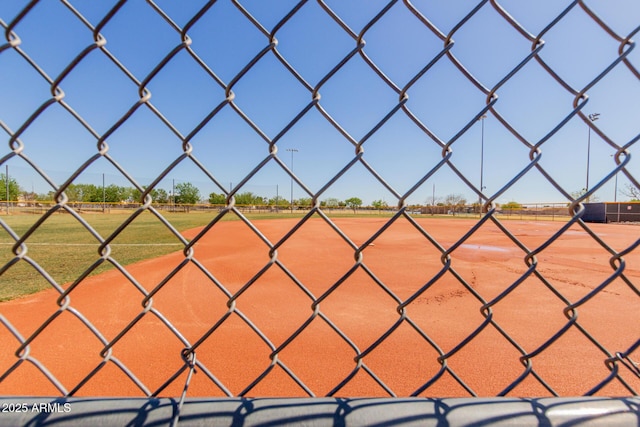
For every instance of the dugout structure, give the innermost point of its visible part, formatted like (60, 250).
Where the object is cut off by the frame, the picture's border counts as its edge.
(612, 212)
(623, 212)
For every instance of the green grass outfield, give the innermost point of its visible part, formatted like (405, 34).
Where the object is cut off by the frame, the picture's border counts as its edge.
(65, 249)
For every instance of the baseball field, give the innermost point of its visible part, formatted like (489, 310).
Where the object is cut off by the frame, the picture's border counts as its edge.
(271, 309)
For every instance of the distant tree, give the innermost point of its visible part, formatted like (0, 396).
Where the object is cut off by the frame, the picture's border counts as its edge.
(512, 206)
(432, 201)
(114, 194)
(136, 196)
(245, 198)
(83, 193)
(249, 199)
(28, 195)
(160, 196)
(431, 204)
(303, 202)
(91, 193)
(331, 202)
(278, 201)
(353, 203)
(591, 199)
(455, 202)
(73, 193)
(45, 197)
(379, 204)
(217, 199)
(187, 193)
(631, 191)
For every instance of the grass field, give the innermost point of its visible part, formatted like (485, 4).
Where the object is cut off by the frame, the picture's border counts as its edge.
(65, 248)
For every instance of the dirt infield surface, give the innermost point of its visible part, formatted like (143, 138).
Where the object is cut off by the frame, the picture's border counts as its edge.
(402, 258)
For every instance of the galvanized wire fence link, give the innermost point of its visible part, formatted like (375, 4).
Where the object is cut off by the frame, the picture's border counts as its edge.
(616, 359)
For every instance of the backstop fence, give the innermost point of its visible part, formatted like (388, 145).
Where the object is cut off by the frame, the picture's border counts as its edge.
(389, 96)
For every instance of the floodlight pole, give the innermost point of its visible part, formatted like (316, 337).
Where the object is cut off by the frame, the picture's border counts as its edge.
(593, 117)
(103, 195)
(433, 199)
(615, 187)
(292, 150)
(6, 177)
(484, 116)
(433, 195)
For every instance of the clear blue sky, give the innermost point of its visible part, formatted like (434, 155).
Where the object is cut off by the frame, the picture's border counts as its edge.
(398, 43)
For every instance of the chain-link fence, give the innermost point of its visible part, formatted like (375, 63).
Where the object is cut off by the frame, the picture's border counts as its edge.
(388, 99)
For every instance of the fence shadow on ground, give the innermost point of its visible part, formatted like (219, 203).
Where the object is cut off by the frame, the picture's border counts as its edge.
(322, 412)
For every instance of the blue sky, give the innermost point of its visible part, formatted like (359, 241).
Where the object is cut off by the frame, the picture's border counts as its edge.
(443, 99)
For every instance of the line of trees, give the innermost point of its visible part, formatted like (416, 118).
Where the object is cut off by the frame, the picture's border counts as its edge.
(187, 193)
(250, 199)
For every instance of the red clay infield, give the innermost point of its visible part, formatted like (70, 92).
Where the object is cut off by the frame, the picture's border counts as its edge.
(401, 258)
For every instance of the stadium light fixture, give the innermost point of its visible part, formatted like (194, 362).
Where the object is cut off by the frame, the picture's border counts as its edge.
(593, 117)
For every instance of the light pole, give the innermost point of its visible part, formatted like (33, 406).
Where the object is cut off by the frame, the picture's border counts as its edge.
(484, 116)
(292, 150)
(6, 177)
(615, 187)
(433, 199)
(104, 201)
(593, 117)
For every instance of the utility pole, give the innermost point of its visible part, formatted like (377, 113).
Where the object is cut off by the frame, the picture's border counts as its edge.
(615, 188)
(103, 195)
(433, 199)
(292, 150)
(6, 177)
(433, 195)
(484, 116)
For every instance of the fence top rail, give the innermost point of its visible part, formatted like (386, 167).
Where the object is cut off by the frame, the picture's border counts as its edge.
(579, 411)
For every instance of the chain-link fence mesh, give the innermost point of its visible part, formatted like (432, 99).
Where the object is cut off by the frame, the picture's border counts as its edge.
(281, 320)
